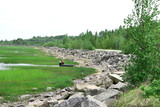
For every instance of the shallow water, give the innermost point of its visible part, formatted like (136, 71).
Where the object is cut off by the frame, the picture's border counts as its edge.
(4, 66)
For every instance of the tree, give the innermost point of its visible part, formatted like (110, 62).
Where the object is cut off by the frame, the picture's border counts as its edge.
(141, 28)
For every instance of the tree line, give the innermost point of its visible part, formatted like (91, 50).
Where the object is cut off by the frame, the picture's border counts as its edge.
(107, 39)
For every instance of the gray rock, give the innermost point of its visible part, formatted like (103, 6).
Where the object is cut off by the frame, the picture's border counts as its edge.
(49, 94)
(110, 102)
(107, 94)
(116, 78)
(84, 87)
(93, 92)
(49, 104)
(77, 94)
(73, 102)
(119, 86)
(48, 88)
(25, 96)
(107, 82)
(91, 102)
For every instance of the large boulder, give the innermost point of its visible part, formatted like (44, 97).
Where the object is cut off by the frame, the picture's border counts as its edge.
(81, 102)
(91, 102)
(119, 86)
(107, 94)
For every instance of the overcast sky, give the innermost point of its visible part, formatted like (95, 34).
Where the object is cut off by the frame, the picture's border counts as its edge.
(28, 18)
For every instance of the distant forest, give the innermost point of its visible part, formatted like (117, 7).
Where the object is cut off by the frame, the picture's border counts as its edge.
(107, 39)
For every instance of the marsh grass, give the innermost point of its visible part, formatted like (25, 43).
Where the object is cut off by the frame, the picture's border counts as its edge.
(20, 80)
(28, 55)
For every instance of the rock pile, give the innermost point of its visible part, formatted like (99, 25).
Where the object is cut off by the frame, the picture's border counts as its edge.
(97, 90)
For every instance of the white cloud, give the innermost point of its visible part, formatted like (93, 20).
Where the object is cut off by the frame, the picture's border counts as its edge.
(27, 18)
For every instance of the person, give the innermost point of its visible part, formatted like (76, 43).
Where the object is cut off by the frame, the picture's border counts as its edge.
(60, 63)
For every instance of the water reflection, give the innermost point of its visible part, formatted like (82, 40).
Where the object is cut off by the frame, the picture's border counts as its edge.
(4, 66)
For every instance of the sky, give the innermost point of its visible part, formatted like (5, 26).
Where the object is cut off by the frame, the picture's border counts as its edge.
(28, 18)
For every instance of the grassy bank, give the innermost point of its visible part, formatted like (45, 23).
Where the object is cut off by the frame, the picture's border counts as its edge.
(21, 80)
(134, 98)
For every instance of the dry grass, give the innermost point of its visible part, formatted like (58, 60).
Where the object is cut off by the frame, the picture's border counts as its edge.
(134, 98)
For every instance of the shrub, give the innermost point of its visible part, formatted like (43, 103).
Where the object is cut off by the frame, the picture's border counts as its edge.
(152, 90)
(49, 44)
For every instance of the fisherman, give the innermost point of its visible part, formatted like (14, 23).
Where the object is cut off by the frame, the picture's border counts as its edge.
(60, 63)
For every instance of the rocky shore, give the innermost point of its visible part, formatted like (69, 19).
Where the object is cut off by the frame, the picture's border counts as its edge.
(101, 89)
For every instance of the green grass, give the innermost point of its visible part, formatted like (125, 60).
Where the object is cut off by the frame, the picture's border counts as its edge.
(28, 55)
(134, 98)
(20, 80)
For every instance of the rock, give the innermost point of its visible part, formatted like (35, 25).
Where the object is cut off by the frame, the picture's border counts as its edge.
(25, 96)
(31, 100)
(21, 105)
(119, 86)
(69, 89)
(49, 94)
(107, 94)
(1, 98)
(34, 89)
(77, 94)
(81, 102)
(73, 102)
(110, 102)
(93, 92)
(48, 88)
(49, 104)
(107, 82)
(36, 103)
(119, 72)
(91, 102)
(116, 78)
(85, 87)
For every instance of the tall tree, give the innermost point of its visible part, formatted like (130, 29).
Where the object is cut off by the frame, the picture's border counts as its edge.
(142, 25)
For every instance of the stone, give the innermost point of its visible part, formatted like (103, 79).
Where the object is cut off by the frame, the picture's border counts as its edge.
(110, 102)
(77, 94)
(73, 102)
(91, 102)
(49, 104)
(49, 94)
(107, 82)
(34, 89)
(119, 72)
(107, 94)
(93, 92)
(116, 78)
(1, 98)
(85, 87)
(48, 88)
(36, 103)
(25, 96)
(119, 86)
(81, 102)
(69, 89)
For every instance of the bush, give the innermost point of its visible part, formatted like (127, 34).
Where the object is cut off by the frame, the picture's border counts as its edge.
(49, 44)
(152, 90)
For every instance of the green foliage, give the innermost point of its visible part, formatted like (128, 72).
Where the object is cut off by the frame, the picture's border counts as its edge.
(49, 44)
(152, 90)
(141, 29)
(103, 40)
